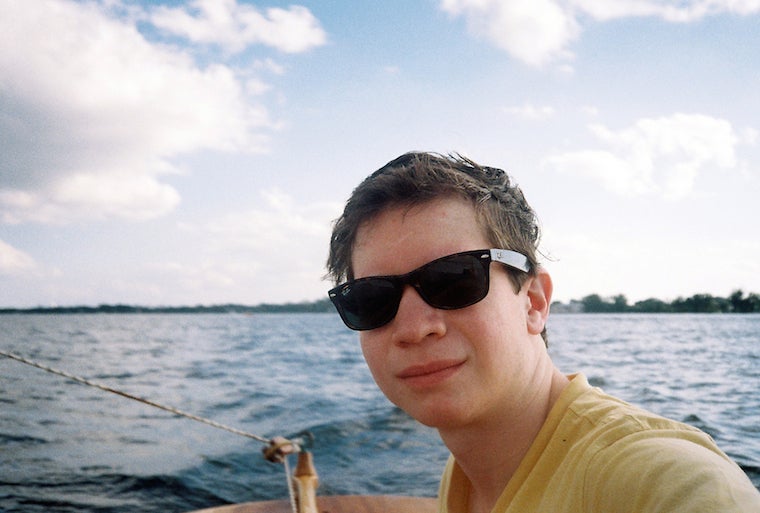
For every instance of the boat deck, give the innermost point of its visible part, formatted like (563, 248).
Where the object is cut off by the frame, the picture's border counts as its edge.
(339, 504)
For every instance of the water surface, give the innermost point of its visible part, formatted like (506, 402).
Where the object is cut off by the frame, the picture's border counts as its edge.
(67, 447)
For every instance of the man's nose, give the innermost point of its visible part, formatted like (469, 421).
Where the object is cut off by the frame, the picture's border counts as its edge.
(416, 320)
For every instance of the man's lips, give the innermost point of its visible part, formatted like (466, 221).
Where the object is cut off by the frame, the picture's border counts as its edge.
(429, 373)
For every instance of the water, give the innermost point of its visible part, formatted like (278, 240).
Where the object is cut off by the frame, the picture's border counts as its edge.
(65, 447)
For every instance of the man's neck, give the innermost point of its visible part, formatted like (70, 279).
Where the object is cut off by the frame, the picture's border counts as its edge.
(490, 452)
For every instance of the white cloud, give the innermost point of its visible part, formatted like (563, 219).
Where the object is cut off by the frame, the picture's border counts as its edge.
(589, 110)
(90, 196)
(235, 26)
(280, 223)
(531, 112)
(681, 12)
(89, 102)
(267, 252)
(655, 156)
(13, 261)
(533, 31)
(616, 263)
(538, 32)
(751, 136)
(270, 65)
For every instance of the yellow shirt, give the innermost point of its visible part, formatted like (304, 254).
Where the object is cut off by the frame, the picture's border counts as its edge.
(598, 454)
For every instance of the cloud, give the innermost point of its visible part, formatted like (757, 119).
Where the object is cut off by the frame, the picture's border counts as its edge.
(682, 12)
(531, 112)
(279, 223)
(266, 252)
(660, 156)
(616, 263)
(134, 197)
(14, 261)
(533, 31)
(234, 26)
(539, 32)
(93, 113)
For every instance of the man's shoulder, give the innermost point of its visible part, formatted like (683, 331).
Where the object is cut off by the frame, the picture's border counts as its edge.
(663, 464)
(597, 427)
(663, 472)
(608, 414)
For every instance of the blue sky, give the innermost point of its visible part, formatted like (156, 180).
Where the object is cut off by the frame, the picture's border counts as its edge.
(181, 153)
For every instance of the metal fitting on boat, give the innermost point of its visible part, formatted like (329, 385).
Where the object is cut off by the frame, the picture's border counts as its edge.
(279, 447)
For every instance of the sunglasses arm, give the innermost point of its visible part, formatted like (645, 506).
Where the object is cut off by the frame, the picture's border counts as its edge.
(511, 258)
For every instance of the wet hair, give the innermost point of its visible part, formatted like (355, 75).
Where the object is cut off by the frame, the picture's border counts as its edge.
(415, 178)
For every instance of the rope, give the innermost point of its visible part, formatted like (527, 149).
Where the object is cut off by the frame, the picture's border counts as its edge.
(289, 481)
(143, 400)
(277, 450)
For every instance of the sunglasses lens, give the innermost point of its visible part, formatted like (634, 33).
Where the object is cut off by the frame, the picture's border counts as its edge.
(451, 282)
(454, 282)
(368, 304)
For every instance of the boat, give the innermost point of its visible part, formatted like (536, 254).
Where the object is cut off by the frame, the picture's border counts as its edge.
(304, 484)
(338, 504)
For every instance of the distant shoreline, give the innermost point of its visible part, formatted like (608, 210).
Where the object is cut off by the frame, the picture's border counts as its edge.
(737, 302)
(303, 307)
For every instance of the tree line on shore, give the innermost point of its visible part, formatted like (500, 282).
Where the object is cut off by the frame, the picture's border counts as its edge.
(737, 302)
(319, 306)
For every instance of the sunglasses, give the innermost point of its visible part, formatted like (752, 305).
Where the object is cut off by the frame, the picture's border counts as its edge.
(451, 282)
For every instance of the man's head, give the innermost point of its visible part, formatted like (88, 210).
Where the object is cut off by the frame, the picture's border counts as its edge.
(416, 178)
(449, 310)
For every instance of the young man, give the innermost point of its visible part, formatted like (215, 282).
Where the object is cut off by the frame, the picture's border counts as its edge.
(444, 285)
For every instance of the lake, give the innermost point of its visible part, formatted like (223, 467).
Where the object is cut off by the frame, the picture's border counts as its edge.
(68, 447)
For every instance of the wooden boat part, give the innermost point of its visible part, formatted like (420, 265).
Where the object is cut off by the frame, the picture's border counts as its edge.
(305, 483)
(339, 504)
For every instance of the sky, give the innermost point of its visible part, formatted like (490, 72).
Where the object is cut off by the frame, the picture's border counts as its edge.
(196, 152)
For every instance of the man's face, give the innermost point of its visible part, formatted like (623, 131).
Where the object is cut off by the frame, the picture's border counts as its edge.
(446, 368)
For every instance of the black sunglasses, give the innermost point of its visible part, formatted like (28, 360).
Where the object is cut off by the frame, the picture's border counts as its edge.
(451, 282)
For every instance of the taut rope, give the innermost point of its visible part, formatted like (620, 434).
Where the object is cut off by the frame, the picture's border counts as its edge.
(143, 400)
(277, 450)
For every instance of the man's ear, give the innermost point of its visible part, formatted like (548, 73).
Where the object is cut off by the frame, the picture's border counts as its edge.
(539, 291)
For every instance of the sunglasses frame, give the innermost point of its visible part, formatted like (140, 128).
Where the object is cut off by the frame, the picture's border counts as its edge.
(507, 257)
